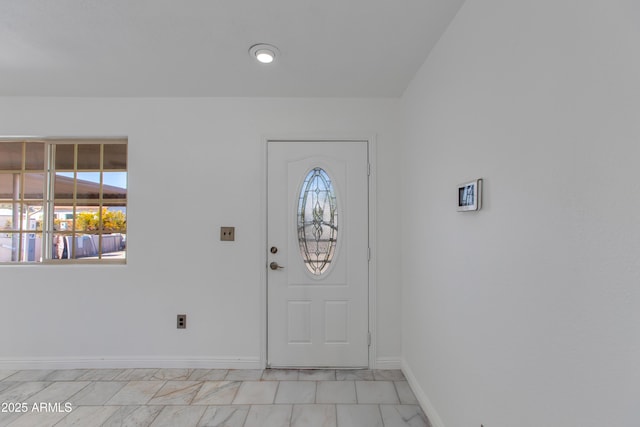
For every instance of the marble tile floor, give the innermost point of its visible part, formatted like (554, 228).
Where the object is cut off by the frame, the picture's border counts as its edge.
(208, 398)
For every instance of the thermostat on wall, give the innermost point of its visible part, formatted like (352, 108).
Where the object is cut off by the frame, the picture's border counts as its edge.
(470, 196)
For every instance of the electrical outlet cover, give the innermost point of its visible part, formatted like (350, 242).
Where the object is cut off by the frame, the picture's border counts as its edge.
(182, 321)
(227, 234)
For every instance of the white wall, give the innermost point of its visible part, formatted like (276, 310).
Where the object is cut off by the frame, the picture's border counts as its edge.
(194, 163)
(526, 313)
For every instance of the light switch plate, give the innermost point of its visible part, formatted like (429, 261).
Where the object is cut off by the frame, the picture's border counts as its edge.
(227, 234)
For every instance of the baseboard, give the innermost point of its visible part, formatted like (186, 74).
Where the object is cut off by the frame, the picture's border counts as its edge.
(130, 362)
(424, 401)
(388, 363)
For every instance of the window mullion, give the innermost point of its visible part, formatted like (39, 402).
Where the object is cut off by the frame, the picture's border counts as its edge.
(74, 238)
(49, 204)
(20, 192)
(16, 220)
(101, 203)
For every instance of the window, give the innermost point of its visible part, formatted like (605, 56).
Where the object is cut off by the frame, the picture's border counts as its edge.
(317, 215)
(63, 200)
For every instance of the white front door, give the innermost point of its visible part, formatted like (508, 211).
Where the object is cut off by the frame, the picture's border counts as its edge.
(317, 254)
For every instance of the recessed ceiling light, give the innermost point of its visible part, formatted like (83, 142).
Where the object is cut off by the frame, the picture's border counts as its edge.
(264, 53)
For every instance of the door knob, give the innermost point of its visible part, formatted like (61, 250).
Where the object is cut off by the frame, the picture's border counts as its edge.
(274, 266)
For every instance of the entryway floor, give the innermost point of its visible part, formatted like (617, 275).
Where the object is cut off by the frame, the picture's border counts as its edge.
(208, 397)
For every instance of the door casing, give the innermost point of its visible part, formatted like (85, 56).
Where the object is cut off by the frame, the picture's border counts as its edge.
(371, 141)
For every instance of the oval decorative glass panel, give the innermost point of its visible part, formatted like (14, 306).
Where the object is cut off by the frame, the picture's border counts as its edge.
(317, 221)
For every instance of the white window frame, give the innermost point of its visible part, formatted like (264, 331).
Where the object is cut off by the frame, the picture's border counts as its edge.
(49, 201)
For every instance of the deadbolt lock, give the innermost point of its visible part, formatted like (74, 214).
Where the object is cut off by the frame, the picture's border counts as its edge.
(274, 250)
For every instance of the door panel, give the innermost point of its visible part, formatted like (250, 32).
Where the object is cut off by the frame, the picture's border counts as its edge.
(317, 294)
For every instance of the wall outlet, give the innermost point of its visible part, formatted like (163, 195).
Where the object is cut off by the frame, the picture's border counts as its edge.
(227, 234)
(182, 321)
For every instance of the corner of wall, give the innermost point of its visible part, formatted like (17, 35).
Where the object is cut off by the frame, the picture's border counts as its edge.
(423, 399)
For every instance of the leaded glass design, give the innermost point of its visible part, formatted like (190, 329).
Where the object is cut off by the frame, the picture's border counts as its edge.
(317, 221)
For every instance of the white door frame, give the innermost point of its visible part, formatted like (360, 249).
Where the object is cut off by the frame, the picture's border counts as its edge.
(371, 142)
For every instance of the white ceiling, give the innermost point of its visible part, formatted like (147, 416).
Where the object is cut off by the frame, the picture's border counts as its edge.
(342, 48)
